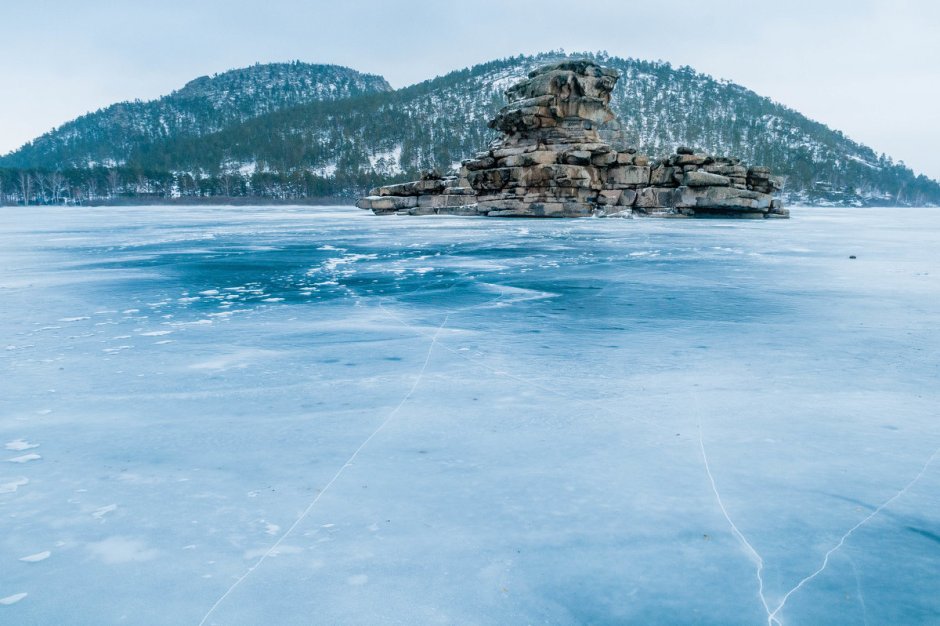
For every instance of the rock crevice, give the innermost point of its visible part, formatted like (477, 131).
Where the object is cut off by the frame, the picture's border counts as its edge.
(552, 162)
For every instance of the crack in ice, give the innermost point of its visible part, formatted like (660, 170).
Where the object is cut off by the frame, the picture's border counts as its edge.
(923, 470)
(336, 476)
(755, 556)
(772, 615)
(351, 459)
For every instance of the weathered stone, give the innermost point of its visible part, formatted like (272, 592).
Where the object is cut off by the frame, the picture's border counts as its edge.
(420, 210)
(501, 205)
(662, 176)
(689, 159)
(561, 176)
(704, 179)
(538, 157)
(391, 202)
(684, 150)
(479, 164)
(627, 197)
(402, 189)
(654, 197)
(604, 159)
(577, 157)
(469, 209)
(429, 186)
(445, 200)
(733, 199)
(609, 196)
(500, 153)
(366, 202)
(490, 179)
(628, 175)
(732, 171)
(462, 191)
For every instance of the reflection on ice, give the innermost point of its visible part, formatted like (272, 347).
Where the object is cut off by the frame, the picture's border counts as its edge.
(291, 415)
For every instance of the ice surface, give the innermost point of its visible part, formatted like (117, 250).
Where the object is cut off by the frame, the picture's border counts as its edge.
(306, 415)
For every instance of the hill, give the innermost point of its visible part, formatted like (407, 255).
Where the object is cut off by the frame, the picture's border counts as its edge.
(368, 134)
(203, 106)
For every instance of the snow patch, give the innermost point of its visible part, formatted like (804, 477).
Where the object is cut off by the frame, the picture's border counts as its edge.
(16, 597)
(20, 444)
(26, 458)
(35, 558)
(117, 550)
(13, 485)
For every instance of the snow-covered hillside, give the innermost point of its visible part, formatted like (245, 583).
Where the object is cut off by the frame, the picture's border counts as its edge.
(292, 130)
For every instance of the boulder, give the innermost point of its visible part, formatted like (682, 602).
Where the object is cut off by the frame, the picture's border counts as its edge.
(662, 176)
(627, 175)
(389, 202)
(704, 179)
(609, 197)
(688, 159)
(627, 197)
(604, 159)
(445, 200)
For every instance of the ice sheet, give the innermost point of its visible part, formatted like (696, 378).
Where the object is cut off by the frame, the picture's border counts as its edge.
(309, 415)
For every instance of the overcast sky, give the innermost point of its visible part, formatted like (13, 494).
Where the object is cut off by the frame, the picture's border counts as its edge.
(868, 68)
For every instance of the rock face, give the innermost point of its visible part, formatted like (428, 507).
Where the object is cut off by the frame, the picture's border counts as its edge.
(553, 163)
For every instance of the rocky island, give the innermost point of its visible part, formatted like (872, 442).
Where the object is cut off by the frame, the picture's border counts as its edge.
(553, 162)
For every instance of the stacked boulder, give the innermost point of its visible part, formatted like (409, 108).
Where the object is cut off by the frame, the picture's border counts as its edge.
(700, 185)
(552, 162)
(431, 195)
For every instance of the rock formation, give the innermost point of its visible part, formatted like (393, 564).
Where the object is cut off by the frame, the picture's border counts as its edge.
(552, 162)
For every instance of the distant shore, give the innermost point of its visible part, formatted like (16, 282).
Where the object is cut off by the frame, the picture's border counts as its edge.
(202, 201)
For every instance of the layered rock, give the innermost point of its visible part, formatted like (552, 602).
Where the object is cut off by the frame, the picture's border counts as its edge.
(552, 162)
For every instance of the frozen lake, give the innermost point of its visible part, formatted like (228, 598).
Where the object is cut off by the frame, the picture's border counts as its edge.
(318, 416)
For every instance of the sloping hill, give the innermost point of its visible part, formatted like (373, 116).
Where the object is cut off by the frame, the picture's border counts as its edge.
(342, 146)
(204, 105)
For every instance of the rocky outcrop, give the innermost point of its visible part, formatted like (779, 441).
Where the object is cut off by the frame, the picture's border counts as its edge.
(552, 162)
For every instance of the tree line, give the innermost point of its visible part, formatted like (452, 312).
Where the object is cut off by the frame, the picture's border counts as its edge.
(113, 185)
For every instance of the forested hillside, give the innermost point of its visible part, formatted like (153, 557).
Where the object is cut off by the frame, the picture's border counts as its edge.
(341, 141)
(205, 105)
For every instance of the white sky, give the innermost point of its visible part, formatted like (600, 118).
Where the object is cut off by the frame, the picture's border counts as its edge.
(870, 68)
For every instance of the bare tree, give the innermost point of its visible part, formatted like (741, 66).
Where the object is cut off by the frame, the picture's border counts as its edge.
(114, 181)
(897, 198)
(26, 186)
(226, 185)
(57, 187)
(40, 181)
